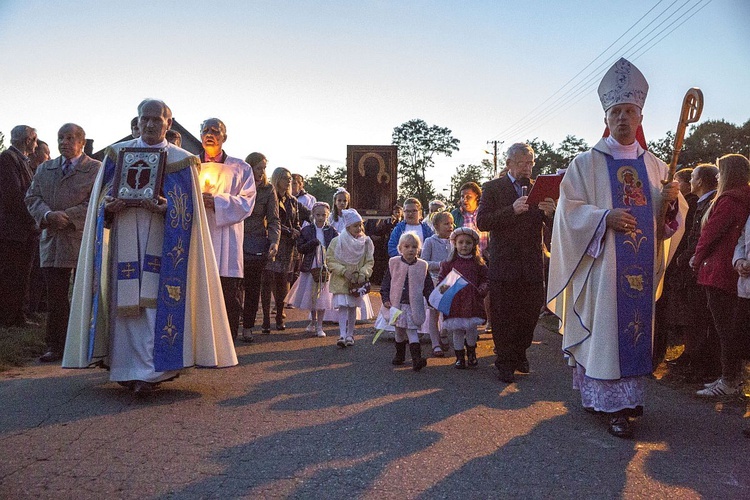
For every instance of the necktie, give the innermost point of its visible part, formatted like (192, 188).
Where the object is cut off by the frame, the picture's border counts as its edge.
(518, 188)
(67, 167)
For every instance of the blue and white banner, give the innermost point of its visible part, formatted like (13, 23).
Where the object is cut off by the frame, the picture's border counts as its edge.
(442, 301)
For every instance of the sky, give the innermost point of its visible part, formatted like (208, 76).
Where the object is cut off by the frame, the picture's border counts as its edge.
(300, 80)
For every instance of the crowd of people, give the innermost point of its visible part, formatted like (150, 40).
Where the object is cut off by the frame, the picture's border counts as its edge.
(170, 278)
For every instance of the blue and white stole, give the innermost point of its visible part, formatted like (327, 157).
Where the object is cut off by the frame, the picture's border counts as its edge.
(635, 264)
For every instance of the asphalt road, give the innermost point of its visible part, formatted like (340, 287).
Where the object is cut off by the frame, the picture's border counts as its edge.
(301, 418)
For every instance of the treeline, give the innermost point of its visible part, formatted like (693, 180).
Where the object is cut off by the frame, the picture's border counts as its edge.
(419, 143)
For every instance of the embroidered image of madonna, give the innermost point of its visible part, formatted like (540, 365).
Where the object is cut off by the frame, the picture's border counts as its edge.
(632, 188)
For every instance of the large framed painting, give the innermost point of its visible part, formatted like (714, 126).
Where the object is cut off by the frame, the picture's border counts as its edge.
(372, 174)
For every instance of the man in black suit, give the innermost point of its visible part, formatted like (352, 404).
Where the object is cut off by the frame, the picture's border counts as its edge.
(19, 235)
(516, 268)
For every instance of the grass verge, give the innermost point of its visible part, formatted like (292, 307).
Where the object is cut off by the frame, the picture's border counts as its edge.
(18, 346)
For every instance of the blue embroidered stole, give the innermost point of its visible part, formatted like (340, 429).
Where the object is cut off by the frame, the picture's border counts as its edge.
(172, 265)
(635, 265)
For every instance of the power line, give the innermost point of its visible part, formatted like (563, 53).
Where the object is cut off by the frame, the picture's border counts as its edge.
(583, 93)
(637, 49)
(594, 74)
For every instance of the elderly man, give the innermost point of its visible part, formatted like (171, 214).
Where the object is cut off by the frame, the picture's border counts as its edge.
(58, 199)
(607, 260)
(147, 277)
(516, 266)
(18, 231)
(412, 222)
(229, 196)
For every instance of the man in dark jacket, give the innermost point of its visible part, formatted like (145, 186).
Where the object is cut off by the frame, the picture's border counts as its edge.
(18, 231)
(516, 269)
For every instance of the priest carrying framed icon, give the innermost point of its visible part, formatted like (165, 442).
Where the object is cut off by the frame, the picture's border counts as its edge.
(138, 174)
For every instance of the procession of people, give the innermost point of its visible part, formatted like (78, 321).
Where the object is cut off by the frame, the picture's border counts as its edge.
(170, 254)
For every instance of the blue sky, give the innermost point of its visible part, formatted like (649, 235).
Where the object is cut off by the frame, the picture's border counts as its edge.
(299, 81)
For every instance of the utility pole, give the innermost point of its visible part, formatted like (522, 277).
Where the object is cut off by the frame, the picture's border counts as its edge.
(494, 155)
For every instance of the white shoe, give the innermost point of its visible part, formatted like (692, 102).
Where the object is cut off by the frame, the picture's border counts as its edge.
(349, 341)
(341, 342)
(720, 389)
(310, 328)
(320, 333)
(711, 384)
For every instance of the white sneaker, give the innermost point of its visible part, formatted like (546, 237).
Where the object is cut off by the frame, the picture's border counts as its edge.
(711, 384)
(320, 333)
(341, 342)
(720, 389)
(310, 328)
(349, 341)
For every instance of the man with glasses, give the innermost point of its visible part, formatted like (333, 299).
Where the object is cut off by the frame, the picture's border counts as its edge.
(516, 266)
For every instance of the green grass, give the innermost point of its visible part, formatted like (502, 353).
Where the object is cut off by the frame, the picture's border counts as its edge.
(18, 346)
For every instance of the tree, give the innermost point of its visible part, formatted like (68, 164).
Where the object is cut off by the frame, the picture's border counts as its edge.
(546, 159)
(570, 147)
(663, 148)
(417, 144)
(324, 182)
(705, 142)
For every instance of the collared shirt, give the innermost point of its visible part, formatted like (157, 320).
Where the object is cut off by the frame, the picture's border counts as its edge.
(707, 195)
(216, 159)
(25, 158)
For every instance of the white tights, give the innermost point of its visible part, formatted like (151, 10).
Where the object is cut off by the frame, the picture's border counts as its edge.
(347, 320)
(469, 334)
(402, 334)
(316, 316)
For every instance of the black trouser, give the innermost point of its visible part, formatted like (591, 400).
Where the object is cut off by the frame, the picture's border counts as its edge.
(279, 285)
(15, 271)
(232, 289)
(722, 305)
(253, 277)
(515, 308)
(58, 306)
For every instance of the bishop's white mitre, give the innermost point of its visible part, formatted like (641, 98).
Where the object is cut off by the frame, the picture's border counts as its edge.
(623, 84)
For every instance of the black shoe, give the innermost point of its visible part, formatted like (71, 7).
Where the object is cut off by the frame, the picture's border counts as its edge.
(280, 326)
(523, 366)
(265, 329)
(417, 361)
(506, 375)
(247, 338)
(471, 356)
(400, 356)
(50, 357)
(460, 359)
(620, 427)
(140, 386)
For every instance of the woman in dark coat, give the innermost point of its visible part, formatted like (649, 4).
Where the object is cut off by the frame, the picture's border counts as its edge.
(275, 274)
(713, 261)
(261, 242)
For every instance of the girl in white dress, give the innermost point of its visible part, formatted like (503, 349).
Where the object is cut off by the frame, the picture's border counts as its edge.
(310, 291)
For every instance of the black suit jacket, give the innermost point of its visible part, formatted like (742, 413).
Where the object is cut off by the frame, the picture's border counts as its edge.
(516, 248)
(16, 223)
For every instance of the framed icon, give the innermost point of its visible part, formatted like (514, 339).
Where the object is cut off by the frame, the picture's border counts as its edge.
(372, 176)
(139, 173)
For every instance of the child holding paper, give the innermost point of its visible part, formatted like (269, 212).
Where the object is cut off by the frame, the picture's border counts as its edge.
(405, 286)
(467, 308)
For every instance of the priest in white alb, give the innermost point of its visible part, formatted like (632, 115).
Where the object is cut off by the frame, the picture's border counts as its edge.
(228, 189)
(608, 257)
(147, 282)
